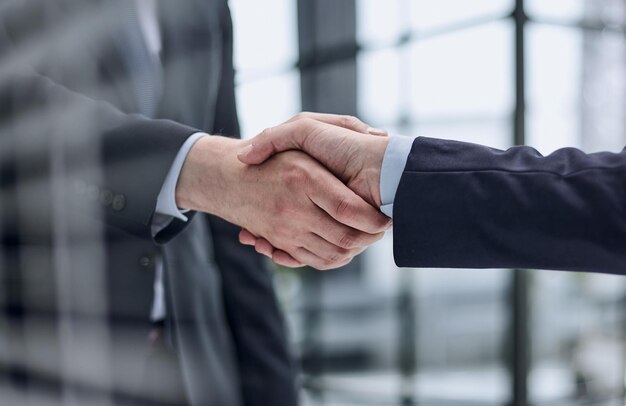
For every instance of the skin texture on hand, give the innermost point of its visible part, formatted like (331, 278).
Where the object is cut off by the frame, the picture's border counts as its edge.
(291, 201)
(338, 142)
(347, 147)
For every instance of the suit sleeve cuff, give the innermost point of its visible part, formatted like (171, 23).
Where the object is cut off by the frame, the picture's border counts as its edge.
(394, 161)
(166, 208)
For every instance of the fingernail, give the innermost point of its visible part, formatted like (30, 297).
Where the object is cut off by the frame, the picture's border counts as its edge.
(246, 150)
(377, 131)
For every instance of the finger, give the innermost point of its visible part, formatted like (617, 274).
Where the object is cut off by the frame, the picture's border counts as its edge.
(271, 141)
(282, 258)
(293, 134)
(262, 246)
(305, 256)
(377, 132)
(246, 237)
(346, 207)
(348, 122)
(341, 235)
(330, 252)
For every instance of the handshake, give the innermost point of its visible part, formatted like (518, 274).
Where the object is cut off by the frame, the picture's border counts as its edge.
(306, 192)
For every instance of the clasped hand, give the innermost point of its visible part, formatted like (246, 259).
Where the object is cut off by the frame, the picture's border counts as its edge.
(315, 205)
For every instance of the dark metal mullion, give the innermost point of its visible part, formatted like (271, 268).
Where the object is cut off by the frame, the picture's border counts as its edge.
(325, 44)
(623, 307)
(623, 328)
(407, 348)
(519, 354)
(578, 24)
(312, 351)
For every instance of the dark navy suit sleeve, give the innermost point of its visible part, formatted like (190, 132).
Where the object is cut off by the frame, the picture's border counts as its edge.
(463, 205)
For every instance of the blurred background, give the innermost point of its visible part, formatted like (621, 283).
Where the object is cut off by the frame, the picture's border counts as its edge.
(548, 74)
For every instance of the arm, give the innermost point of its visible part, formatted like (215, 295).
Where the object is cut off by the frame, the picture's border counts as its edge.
(66, 148)
(84, 154)
(111, 161)
(466, 205)
(463, 205)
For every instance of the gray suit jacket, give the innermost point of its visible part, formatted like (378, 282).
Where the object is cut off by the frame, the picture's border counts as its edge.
(79, 176)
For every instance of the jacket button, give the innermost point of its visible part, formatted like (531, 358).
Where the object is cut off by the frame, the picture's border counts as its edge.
(118, 203)
(147, 262)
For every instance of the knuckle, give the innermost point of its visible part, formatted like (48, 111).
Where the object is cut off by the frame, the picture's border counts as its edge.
(307, 121)
(295, 176)
(280, 208)
(349, 240)
(260, 249)
(281, 229)
(350, 121)
(378, 237)
(345, 210)
(338, 255)
(383, 224)
(348, 261)
(301, 115)
(267, 132)
(326, 265)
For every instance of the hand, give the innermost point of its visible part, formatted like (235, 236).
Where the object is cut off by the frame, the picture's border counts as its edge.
(338, 142)
(343, 144)
(291, 201)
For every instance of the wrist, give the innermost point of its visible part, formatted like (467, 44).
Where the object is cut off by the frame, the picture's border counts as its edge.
(204, 180)
(367, 180)
(394, 162)
(378, 153)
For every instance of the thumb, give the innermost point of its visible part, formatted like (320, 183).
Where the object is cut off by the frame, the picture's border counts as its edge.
(270, 142)
(256, 153)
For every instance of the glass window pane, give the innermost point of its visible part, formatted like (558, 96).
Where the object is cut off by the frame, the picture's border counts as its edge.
(563, 9)
(268, 102)
(463, 325)
(429, 14)
(603, 100)
(464, 74)
(379, 82)
(578, 339)
(379, 21)
(576, 89)
(554, 84)
(265, 34)
(554, 68)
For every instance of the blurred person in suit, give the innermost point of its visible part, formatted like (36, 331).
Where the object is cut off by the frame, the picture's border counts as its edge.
(104, 109)
(463, 205)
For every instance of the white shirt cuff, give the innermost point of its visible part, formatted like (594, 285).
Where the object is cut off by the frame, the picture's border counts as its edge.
(394, 161)
(166, 208)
